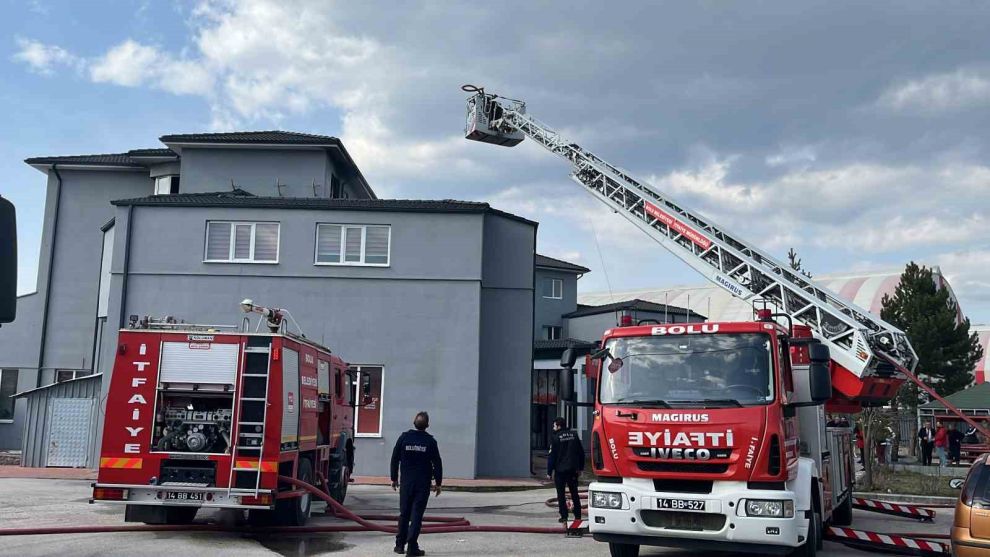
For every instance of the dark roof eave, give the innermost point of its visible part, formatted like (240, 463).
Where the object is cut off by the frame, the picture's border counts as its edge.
(252, 202)
(633, 305)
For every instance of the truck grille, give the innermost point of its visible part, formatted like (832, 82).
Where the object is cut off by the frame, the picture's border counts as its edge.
(674, 520)
(682, 467)
(683, 486)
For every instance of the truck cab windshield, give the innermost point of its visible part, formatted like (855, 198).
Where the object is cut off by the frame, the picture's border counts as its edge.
(688, 371)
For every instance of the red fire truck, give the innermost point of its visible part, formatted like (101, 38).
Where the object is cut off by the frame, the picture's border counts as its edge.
(713, 436)
(202, 416)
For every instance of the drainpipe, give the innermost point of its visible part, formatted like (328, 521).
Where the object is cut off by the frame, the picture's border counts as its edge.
(51, 266)
(126, 265)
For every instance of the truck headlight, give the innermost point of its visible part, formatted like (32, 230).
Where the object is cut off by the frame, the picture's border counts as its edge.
(606, 500)
(770, 508)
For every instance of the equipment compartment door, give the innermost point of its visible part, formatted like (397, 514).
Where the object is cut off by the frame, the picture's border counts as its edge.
(69, 428)
(290, 399)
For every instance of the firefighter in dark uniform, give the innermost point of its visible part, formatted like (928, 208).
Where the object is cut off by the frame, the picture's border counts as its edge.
(565, 464)
(415, 460)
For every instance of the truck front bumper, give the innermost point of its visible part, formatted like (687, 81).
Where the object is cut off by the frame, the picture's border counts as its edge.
(722, 525)
(207, 497)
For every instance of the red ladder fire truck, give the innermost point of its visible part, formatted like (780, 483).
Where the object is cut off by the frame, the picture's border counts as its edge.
(204, 416)
(713, 436)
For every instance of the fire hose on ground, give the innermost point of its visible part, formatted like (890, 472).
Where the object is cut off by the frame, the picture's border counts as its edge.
(910, 543)
(435, 524)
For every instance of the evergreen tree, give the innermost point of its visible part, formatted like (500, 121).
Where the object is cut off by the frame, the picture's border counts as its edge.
(947, 351)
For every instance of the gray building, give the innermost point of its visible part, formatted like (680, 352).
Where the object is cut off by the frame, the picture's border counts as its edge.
(430, 298)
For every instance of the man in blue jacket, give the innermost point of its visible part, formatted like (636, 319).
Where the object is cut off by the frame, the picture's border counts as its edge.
(416, 460)
(564, 465)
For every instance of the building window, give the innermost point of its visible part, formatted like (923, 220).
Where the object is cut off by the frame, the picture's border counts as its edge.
(8, 386)
(552, 333)
(368, 418)
(165, 185)
(553, 288)
(353, 244)
(241, 242)
(70, 374)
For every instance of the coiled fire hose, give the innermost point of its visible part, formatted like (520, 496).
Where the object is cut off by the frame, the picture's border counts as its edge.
(440, 524)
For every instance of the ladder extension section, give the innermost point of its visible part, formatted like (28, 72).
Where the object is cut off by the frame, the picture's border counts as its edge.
(852, 333)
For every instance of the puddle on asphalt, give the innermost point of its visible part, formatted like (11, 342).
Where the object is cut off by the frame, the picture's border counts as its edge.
(302, 545)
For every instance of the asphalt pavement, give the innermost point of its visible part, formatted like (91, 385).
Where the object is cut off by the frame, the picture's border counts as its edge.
(36, 502)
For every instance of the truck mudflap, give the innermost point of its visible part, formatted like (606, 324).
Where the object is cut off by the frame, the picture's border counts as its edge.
(894, 509)
(874, 541)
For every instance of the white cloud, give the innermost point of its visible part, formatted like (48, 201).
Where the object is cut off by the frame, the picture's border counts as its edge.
(943, 92)
(132, 64)
(968, 272)
(43, 58)
(792, 156)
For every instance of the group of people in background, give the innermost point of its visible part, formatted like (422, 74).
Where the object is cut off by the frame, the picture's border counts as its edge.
(941, 441)
(947, 443)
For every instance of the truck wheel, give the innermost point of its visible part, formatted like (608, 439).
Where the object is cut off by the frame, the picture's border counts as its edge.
(337, 487)
(623, 550)
(843, 514)
(814, 541)
(295, 511)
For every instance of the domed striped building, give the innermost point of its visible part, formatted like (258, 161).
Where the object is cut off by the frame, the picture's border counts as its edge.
(865, 290)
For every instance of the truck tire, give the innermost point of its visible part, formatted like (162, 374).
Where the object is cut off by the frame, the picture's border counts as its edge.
(623, 550)
(295, 511)
(337, 483)
(814, 541)
(843, 514)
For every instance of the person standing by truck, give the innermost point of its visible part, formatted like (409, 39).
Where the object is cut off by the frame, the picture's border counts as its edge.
(565, 464)
(926, 436)
(941, 444)
(415, 460)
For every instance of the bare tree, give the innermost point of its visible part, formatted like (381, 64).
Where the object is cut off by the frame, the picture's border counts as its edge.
(795, 262)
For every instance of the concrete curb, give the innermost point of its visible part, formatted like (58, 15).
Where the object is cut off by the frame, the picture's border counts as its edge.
(910, 499)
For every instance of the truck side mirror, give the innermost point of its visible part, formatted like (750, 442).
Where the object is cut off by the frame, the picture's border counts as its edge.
(821, 382)
(818, 352)
(8, 261)
(568, 358)
(565, 386)
(819, 373)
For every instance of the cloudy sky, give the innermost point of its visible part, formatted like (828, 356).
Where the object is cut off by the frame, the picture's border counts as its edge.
(856, 133)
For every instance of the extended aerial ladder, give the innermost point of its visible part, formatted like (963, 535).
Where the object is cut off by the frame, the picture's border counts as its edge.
(860, 343)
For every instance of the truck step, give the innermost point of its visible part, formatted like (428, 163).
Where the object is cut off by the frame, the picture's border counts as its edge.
(257, 350)
(253, 399)
(254, 375)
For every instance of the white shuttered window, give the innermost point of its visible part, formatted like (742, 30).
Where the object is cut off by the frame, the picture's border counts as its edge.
(353, 244)
(242, 242)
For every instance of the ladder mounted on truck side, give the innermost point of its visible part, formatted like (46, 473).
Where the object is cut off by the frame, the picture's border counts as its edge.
(856, 338)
